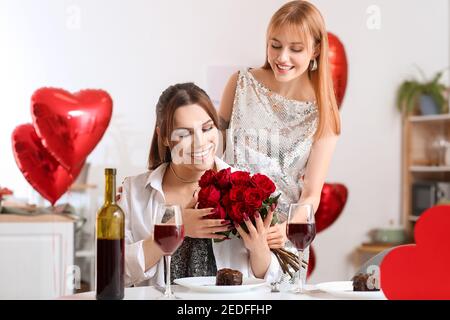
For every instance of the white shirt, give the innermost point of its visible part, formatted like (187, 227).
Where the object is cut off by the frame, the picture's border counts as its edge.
(141, 195)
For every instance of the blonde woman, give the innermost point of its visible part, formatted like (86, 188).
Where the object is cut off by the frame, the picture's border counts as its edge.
(282, 118)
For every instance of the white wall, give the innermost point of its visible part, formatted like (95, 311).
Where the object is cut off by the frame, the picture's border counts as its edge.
(135, 49)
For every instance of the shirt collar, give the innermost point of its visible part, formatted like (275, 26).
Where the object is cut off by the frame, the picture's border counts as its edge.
(156, 176)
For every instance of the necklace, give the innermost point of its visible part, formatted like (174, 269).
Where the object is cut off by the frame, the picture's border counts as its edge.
(178, 177)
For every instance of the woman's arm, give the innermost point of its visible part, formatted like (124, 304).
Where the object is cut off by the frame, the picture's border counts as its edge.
(314, 178)
(140, 256)
(317, 169)
(226, 105)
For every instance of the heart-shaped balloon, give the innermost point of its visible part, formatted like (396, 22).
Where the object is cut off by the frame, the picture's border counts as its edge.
(40, 169)
(311, 262)
(70, 125)
(421, 271)
(338, 66)
(332, 201)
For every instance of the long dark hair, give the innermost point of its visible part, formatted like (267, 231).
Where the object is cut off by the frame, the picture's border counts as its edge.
(174, 97)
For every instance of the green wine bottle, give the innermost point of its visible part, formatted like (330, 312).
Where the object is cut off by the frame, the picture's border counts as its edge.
(110, 255)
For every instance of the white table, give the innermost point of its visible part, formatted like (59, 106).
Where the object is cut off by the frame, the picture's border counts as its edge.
(263, 293)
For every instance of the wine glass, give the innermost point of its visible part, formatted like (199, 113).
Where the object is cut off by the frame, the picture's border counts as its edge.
(301, 230)
(168, 234)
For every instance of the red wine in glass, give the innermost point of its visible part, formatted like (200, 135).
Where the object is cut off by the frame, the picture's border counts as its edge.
(301, 234)
(301, 231)
(168, 237)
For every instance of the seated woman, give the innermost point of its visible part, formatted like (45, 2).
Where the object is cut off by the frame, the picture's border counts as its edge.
(184, 145)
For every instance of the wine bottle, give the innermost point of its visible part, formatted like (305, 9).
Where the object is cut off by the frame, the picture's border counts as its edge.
(110, 255)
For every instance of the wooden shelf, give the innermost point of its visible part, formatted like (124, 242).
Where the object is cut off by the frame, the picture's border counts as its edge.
(438, 117)
(82, 187)
(429, 168)
(420, 158)
(375, 248)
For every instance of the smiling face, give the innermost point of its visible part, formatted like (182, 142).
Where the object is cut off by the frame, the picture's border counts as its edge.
(289, 54)
(194, 138)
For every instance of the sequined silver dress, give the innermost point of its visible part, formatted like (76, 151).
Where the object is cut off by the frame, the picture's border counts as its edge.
(273, 135)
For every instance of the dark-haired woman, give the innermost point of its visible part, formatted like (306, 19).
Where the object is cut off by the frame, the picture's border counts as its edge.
(184, 145)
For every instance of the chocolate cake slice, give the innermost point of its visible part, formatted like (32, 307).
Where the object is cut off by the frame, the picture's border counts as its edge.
(228, 277)
(365, 282)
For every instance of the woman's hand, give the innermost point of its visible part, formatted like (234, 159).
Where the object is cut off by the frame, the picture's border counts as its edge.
(195, 226)
(256, 238)
(119, 193)
(276, 237)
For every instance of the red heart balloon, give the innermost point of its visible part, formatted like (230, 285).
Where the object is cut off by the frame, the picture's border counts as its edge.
(41, 170)
(338, 66)
(311, 262)
(332, 201)
(70, 125)
(421, 271)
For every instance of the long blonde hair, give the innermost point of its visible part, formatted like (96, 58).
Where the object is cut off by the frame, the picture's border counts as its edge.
(305, 19)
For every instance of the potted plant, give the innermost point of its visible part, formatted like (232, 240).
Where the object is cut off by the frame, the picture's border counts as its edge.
(429, 96)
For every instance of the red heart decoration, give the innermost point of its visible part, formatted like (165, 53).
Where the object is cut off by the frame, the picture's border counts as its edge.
(332, 202)
(41, 170)
(338, 66)
(311, 262)
(70, 125)
(421, 270)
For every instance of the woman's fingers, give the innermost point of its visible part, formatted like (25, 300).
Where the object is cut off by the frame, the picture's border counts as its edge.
(119, 193)
(218, 229)
(211, 223)
(259, 222)
(251, 228)
(205, 212)
(244, 235)
(274, 236)
(275, 244)
(268, 219)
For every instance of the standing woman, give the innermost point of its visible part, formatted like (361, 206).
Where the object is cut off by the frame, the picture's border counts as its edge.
(282, 118)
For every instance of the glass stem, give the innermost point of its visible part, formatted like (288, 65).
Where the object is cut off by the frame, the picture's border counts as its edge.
(300, 278)
(168, 292)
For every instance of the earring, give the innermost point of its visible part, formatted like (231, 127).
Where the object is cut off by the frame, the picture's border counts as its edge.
(313, 65)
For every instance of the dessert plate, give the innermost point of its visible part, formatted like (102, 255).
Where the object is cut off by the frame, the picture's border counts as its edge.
(344, 290)
(208, 284)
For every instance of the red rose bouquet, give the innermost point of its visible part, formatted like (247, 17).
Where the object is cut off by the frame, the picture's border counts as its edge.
(234, 194)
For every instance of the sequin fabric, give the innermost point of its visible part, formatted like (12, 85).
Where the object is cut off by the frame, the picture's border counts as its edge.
(194, 258)
(273, 135)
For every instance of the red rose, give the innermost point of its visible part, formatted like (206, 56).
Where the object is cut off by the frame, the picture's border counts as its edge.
(226, 201)
(220, 212)
(240, 178)
(223, 179)
(263, 182)
(237, 193)
(254, 198)
(207, 179)
(208, 197)
(237, 212)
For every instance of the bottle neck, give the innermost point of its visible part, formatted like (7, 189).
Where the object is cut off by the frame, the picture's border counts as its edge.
(110, 188)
